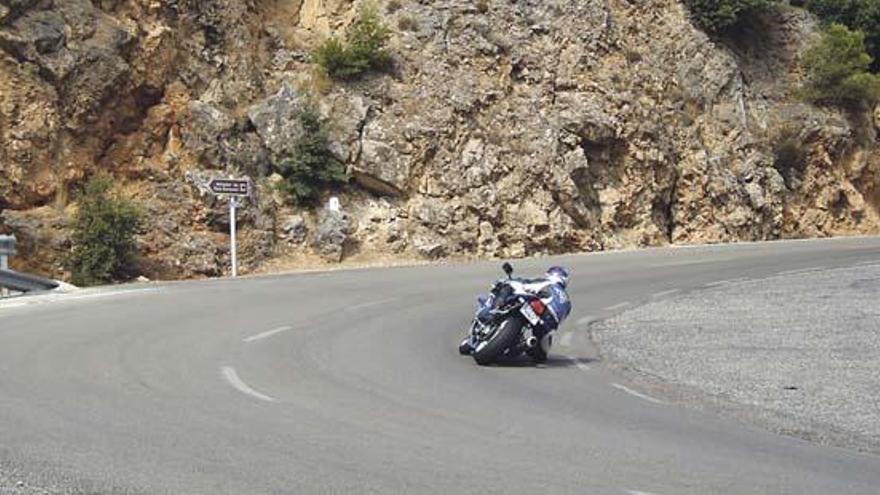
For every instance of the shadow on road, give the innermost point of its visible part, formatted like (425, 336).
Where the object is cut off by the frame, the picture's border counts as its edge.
(553, 361)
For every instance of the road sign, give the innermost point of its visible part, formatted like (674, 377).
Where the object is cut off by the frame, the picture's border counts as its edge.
(234, 189)
(230, 187)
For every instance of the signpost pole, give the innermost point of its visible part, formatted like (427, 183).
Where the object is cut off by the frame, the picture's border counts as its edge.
(234, 190)
(232, 205)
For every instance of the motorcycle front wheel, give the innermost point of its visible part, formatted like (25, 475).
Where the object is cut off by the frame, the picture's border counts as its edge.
(487, 352)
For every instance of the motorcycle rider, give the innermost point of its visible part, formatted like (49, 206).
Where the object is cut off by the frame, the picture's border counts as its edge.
(552, 289)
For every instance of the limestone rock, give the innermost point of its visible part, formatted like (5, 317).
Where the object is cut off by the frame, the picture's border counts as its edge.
(346, 115)
(381, 167)
(42, 237)
(206, 127)
(197, 255)
(276, 119)
(294, 229)
(332, 235)
(430, 248)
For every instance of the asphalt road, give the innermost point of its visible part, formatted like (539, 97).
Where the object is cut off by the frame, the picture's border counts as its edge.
(350, 382)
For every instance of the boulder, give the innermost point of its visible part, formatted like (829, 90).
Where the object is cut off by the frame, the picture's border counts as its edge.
(277, 120)
(430, 247)
(346, 115)
(294, 229)
(98, 73)
(333, 234)
(197, 255)
(43, 239)
(381, 168)
(204, 129)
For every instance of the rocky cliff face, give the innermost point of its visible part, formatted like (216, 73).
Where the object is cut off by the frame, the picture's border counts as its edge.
(504, 129)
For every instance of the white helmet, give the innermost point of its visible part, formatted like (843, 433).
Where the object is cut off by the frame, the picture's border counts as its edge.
(557, 275)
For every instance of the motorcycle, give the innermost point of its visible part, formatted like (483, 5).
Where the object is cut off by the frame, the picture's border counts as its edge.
(517, 317)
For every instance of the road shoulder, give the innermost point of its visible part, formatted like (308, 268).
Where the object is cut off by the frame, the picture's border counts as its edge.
(797, 353)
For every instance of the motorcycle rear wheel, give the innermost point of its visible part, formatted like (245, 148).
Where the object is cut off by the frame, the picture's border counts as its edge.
(505, 337)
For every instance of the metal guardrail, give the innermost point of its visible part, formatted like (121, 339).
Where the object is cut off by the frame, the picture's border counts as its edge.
(23, 282)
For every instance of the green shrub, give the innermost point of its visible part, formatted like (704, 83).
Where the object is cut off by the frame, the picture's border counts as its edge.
(103, 236)
(863, 15)
(362, 50)
(312, 167)
(837, 69)
(716, 16)
(337, 60)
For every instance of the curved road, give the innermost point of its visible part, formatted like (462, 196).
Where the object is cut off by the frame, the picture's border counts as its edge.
(350, 382)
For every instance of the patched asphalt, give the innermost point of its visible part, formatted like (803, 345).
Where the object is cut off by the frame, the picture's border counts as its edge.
(798, 352)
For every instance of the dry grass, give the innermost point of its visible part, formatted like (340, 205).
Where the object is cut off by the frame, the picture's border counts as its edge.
(317, 82)
(393, 6)
(407, 23)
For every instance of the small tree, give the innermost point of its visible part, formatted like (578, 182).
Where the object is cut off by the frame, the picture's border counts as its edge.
(103, 235)
(837, 69)
(863, 15)
(311, 167)
(716, 16)
(362, 50)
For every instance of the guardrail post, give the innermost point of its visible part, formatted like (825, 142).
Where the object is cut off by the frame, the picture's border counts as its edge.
(4, 265)
(7, 249)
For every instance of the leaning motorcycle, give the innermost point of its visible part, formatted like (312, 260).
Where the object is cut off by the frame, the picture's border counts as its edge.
(511, 321)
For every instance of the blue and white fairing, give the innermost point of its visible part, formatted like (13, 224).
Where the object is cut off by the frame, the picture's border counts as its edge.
(553, 296)
(559, 306)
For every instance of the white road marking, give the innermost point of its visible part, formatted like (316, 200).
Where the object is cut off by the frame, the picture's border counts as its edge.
(232, 377)
(690, 262)
(636, 394)
(868, 263)
(586, 320)
(565, 340)
(98, 295)
(617, 306)
(726, 282)
(48, 298)
(800, 271)
(371, 304)
(268, 333)
(577, 362)
(638, 492)
(7, 305)
(658, 295)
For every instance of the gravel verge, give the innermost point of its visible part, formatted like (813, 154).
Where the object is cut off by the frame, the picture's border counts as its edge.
(798, 353)
(12, 482)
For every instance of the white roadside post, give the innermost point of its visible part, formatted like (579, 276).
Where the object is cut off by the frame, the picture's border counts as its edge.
(234, 190)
